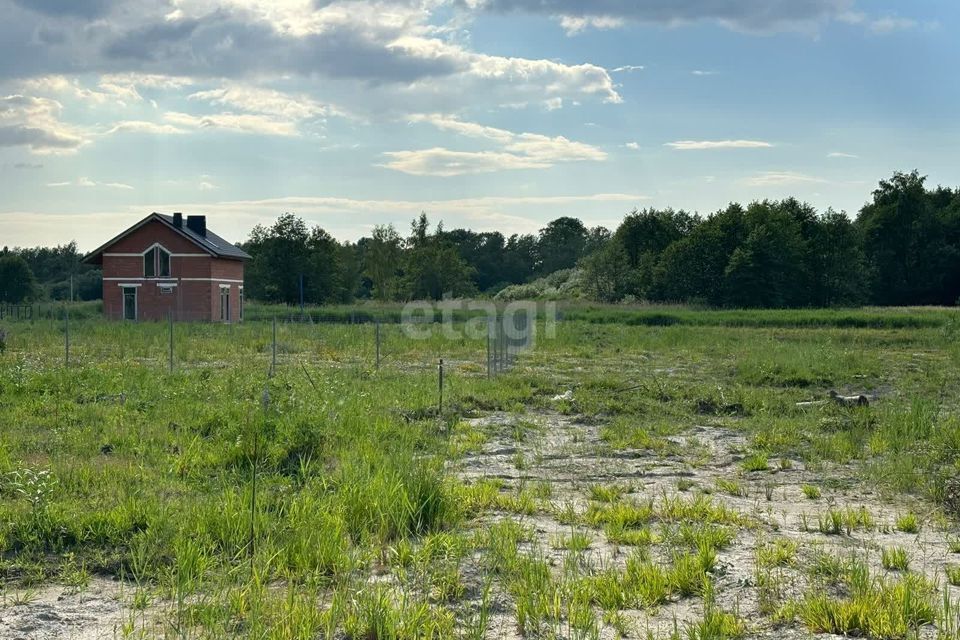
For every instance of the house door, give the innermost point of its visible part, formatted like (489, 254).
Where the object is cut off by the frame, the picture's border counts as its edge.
(225, 304)
(129, 303)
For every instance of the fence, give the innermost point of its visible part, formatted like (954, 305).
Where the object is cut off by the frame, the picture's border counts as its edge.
(16, 312)
(480, 347)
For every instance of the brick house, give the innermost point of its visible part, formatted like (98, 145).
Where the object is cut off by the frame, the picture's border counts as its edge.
(167, 264)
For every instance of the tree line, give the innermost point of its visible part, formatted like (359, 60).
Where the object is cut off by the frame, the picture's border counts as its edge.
(45, 273)
(902, 248)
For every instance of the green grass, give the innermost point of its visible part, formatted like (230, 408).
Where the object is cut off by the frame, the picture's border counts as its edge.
(908, 523)
(116, 467)
(811, 492)
(895, 559)
(953, 574)
(875, 607)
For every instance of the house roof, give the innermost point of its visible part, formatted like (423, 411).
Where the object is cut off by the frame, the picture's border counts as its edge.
(211, 243)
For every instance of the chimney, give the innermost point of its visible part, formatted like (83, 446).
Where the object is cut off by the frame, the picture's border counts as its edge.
(178, 220)
(197, 224)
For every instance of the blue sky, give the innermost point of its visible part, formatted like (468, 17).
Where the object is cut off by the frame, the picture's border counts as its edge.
(489, 114)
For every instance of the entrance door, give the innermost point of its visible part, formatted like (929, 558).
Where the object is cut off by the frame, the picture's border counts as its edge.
(129, 303)
(225, 304)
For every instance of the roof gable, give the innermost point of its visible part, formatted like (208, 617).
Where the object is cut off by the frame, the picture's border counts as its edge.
(213, 244)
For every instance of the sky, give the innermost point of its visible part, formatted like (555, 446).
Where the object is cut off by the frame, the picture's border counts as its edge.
(486, 114)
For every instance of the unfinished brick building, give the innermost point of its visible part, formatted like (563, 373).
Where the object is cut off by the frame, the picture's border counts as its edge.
(167, 264)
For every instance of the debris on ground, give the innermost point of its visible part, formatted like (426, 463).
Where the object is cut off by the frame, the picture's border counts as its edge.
(566, 395)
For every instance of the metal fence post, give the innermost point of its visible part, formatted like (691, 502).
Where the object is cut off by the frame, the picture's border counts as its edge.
(170, 318)
(489, 361)
(66, 339)
(273, 362)
(378, 344)
(440, 413)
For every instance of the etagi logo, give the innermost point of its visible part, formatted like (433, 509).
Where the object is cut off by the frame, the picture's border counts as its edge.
(518, 322)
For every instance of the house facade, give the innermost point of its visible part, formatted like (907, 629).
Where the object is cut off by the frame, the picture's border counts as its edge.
(171, 265)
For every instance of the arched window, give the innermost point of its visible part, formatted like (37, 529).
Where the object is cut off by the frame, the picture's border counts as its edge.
(156, 263)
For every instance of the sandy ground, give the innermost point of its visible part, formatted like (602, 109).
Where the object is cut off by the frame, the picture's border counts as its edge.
(96, 613)
(570, 456)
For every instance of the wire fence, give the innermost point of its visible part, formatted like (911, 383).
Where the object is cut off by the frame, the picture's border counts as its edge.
(478, 347)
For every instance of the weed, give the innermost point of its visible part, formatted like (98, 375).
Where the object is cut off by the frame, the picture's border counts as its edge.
(731, 487)
(908, 523)
(810, 491)
(953, 574)
(756, 461)
(777, 553)
(895, 559)
(606, 493)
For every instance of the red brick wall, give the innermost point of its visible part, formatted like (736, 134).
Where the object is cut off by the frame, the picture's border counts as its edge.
(197, 294)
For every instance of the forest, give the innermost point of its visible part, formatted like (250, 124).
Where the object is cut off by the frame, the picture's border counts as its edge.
(902, 248)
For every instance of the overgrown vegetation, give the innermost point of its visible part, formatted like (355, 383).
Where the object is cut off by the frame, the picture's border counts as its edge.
(363, 528)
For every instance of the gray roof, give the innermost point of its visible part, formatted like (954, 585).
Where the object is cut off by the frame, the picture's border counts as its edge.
(211, 243)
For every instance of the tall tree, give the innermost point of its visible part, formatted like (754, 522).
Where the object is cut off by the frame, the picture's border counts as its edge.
(382, 262)
(561, 244)
(904, 242)
(17, 283)
(286, 251)
(434, 268)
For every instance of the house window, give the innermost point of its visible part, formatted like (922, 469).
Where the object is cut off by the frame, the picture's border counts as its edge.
(156, 263)
(241, 304)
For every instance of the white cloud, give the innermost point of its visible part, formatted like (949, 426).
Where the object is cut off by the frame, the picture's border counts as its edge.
(516, 151)
(840, 154)
(762, 16)
(703, 72)
(632, 145)
(87, 182)
(143, 126)
(628, 68)
(885, 24)
(61, 85)
(266, 101)
(575, 24)
(780, 178)
(694, 145)
(443, 162)
(34, 123)
(236, 122)
(345, 218)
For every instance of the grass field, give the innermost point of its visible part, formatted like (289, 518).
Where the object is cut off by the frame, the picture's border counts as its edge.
(630, 477)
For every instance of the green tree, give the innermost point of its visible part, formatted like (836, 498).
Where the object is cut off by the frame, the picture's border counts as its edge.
(767, 268)
(382, 262)
(905, 242)
(17, 283)
(434, 268)
(286, 251)
(561, 244)
(694, 267)
(606, 273)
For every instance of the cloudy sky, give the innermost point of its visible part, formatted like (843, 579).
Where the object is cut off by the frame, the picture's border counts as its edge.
(490, 114)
